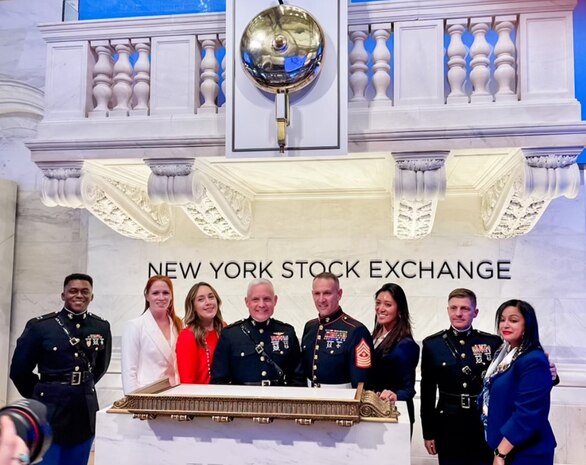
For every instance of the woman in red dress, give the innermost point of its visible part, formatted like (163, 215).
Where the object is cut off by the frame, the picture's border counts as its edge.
(197, 342)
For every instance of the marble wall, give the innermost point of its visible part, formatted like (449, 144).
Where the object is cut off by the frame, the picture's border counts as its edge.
(7, 230)
(547, 268)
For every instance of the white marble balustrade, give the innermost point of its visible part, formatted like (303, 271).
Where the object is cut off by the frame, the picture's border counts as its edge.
(413, 66)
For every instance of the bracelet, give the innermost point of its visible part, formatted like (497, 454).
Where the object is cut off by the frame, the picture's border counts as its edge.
(498, 454)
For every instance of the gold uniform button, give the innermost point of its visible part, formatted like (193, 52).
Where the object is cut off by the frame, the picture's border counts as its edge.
(464, 385)
(443, 364)
(42, 394)
(463, 355)
(78, 326)
(315, 378)
(76, 354)
(242, 354)
(55, 348)
(264, 373)
(315, 357)
(319, 337)
(317, 347)
(315, 367)
(262, 343)
(261, 330)
(321, 327)
(462, 341)
(76, 368)
(331, 351)
(262, 359)
(281, 352)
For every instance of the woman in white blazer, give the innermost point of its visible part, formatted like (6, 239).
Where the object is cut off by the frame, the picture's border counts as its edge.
(148, 342)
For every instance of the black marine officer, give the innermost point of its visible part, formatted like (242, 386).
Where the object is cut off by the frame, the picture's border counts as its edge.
(258, 350)
(453, 362)
(336, 349)
(71, 350)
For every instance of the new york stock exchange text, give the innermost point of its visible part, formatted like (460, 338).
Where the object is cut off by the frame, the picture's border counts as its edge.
(374, 269)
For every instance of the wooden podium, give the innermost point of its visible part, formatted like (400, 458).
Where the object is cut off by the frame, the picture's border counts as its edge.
(250, 425)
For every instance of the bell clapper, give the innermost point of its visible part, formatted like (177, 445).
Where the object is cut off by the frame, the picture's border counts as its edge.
(282, 117)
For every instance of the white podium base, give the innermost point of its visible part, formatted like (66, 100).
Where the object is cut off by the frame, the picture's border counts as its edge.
(122, 439)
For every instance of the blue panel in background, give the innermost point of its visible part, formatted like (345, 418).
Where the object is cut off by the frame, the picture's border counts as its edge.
(91, 9)
(580, 61)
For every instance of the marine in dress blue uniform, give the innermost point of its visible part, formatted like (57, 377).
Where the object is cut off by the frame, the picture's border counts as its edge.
(258, 350)
(336, 350)
(454, 363)
(258, 353)
(71, 350)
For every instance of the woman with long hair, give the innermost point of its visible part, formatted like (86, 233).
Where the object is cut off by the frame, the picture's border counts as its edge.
(197, 342)
(515, 399)
(148, 342)
(396, 354)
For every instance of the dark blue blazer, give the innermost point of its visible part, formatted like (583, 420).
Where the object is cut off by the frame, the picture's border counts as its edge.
(519, 407)
(396, 371)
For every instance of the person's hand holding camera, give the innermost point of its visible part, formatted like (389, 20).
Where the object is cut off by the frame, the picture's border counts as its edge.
(13, 450)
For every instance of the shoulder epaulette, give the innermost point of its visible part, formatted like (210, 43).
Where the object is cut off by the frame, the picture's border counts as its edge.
(97, 317)
(484, 333)
(46, 316)
(282, 323)
(438, 334)
(236, 323)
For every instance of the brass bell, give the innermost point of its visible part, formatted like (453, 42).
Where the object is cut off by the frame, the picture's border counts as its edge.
(282, 50)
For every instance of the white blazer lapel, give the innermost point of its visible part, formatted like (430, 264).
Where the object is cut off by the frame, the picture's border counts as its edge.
(156, 335)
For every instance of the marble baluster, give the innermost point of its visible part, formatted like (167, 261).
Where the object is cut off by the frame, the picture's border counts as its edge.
(222, 38)
(122, 78)
(209, 74)
(358, 66)
(505, 63)
(457, 52)
(480, 52)
(381, 57)
(102, 78)
(142, 78)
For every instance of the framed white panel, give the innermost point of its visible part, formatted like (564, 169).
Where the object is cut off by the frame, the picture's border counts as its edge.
(175, 75)
(546, 56)
(68, 82)
(318, 114)
(419, 63)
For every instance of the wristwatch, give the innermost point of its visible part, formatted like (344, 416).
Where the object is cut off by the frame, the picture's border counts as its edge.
(498, 454)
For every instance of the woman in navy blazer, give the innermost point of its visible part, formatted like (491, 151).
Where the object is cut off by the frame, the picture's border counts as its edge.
(396, 354)
(516, 395)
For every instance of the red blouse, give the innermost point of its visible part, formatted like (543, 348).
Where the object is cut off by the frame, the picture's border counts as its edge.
(194, 363)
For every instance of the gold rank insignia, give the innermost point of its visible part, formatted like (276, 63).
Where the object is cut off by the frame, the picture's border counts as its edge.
(363, 356)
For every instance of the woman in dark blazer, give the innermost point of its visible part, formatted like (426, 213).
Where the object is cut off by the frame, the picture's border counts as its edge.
(516, 395)
(396, 354)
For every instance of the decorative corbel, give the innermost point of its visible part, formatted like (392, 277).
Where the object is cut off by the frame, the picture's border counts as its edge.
(420, 181)
(217, 209)
(21, 109)
(125, 208)
(514, 204)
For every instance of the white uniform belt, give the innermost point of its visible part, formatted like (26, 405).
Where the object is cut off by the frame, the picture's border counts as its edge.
(333, 386)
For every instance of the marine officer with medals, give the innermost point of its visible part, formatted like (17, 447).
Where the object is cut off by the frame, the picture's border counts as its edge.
(336, 349)
(71, 350)
(453, 364)
(258, 350)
